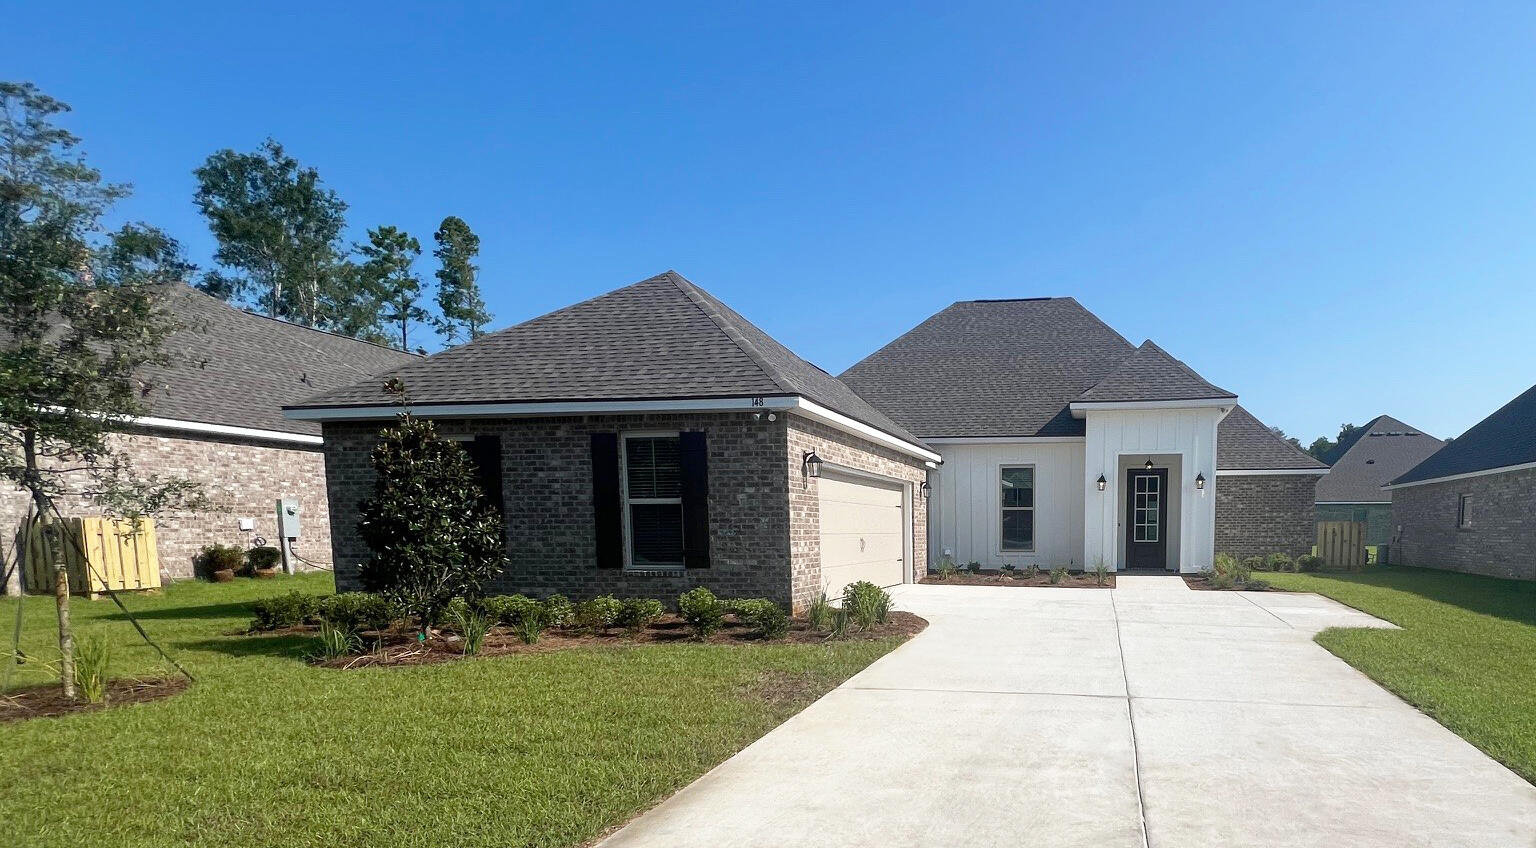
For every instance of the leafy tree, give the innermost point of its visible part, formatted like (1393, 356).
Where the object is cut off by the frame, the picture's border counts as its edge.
(1322, 446)
(433, 535)
(80, 313)
(279, 231)
(463, 313)
(389, 276)
(1292, 439)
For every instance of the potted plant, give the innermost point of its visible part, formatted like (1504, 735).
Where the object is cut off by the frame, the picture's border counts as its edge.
(219, 562)
(263, 561)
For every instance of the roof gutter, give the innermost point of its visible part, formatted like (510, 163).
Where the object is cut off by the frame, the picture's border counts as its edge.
(151, 422)
(1080, 408)
(1449, 477)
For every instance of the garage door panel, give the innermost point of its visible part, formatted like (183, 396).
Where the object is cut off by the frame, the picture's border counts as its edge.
(862, 533)
(841, 548)
(864, 518)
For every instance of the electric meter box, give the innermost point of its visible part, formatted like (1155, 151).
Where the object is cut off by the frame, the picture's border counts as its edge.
(288, 518)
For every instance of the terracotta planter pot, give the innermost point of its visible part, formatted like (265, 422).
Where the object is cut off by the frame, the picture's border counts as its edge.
(224, 575)
(265, 573)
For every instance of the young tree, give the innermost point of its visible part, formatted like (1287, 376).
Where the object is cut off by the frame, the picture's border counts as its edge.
(433, 535)
(389, 276)
(279, 232)
(463, 315)
(80, 313)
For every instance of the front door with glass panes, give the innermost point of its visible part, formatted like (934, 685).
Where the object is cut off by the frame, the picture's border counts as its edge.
(1146, 518)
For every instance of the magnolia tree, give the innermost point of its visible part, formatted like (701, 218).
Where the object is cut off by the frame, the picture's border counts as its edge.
(433, 535)
(80, 315)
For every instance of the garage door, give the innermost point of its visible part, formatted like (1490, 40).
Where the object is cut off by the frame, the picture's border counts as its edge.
(861, 532)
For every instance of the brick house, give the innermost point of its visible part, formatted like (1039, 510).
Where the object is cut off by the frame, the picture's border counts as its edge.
(215, 418)
(1471, 506)
(1363, 462)
(651, 439)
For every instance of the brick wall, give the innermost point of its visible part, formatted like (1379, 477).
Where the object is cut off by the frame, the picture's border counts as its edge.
(836, 447)
(547, 491)
(1266, 513)
(242, 478)
(1501, 541)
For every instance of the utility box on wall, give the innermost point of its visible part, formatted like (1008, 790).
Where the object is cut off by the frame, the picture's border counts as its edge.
(287, 518)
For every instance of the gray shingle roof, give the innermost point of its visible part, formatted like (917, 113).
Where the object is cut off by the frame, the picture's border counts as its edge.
(660, 338)
(1507, 437)
(232, 367)
(992, 368)
(1243, 442)
(1152, 374)
(1383, 449)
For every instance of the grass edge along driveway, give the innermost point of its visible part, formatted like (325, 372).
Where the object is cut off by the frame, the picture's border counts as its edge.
(533, 750)
(1466, 655)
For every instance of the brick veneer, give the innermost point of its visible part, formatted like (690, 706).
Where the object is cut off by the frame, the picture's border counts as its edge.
(1501, 541)
(1259, 514)
(838, 448)
(242, 478)
(547, 491)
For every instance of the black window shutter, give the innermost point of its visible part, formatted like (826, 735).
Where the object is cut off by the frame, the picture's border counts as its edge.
(606, 500)
(485, 453)
(693, 459)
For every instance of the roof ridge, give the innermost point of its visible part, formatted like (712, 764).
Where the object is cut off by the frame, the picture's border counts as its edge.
(700, 300)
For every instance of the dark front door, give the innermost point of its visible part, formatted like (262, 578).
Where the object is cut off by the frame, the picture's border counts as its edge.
(1146, 518)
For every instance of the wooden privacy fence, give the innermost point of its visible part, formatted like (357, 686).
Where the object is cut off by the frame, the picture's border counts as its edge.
(119, 553)
(1341, 544)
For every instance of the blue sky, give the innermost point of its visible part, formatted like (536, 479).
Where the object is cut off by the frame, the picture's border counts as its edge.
(1327, 208)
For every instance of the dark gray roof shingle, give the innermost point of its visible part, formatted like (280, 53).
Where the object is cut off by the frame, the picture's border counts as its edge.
(1507, 437)
(660, 338)
(1245, 443)
(1151, 374)
(235, 368)
(1380, 451)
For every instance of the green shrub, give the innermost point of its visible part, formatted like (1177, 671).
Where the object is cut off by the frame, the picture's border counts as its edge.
(819, 613)
(1101, 573)
(1031, 571)
(837, 628)
(472, 626)
(1309, 562)
(283, 610)
(702, 610)
(1224, 564)
(867, 604)
(265, 556)
(1010, 570)
(220, 558)
(766, 618)
(1253, 584)
(357, 611)
(973, 567)
(334, 642)
(1279, 562)
(1220, 580)
(598, 614)
(558, 611)
(511, 609)
(636, 614)
(947, 569)
(451, 612)
(530, 626)
(1253, 563)
(93, 653)
(1058, 574)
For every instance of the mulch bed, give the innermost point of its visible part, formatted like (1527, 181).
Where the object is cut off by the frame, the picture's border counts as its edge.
(1198, 581)
(399, 647)
(1084, 580)
(47, 699)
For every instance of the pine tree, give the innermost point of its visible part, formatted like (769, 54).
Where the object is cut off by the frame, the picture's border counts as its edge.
(463, 313)
(389, 279)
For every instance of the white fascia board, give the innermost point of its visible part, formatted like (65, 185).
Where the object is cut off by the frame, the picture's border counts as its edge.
(504, 410)
(1450, 477)
(1081, 408)
(816, 412)
(1264, 472)
(223, 430)
(1006, 440)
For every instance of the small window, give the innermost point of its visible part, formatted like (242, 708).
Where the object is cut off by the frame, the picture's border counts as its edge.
(1464, 512)
(653, 502)
(1018, 508)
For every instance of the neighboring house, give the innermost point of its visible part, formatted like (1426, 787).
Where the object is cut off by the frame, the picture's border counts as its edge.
(651, 440)
(215, 418)
(1361, 464)
(1471, 506)
(1066, 445)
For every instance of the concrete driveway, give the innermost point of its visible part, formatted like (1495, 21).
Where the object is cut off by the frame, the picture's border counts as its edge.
(1147, 715)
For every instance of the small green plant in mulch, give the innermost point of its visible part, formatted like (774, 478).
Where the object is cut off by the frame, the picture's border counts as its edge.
(558, 611)
(93, 654)
(1101, 573)
(819, 612)
(1279, 562)
(837, 628)
(510, 609)
(1058, 574)
(288, 610)
(334, 642)
(1031, 571)
(598, 614)
(357, 611)
(636, 614)
(702, 610)
(766, 618)
(946, 569)
(973, 567)
(472, 626)
(1010, 571)
(867, 604)
(1252, 563)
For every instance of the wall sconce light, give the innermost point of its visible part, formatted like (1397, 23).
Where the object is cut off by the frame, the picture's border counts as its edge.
(1200, 481)
(1102, 482)
(1149, 463)
(925, 489)
(811, 464)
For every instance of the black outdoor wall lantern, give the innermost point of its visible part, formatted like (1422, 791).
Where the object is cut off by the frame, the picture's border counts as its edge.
(811, 464)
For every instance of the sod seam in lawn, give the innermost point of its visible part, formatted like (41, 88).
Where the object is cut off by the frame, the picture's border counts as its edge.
(1466, 654)
(532, 750)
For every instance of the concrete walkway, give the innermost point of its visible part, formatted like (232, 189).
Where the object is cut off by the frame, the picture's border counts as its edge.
(1150, 715)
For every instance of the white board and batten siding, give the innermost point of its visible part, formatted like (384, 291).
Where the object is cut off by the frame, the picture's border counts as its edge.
(966, 503)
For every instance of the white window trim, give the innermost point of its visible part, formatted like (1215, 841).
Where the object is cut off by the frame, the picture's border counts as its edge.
(625, 500)
(1034, 524)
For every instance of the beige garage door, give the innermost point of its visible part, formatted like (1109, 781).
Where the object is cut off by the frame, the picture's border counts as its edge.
(861, 532)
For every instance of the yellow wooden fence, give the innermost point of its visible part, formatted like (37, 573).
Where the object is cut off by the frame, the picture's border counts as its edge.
(119, 553)
(1341, 544)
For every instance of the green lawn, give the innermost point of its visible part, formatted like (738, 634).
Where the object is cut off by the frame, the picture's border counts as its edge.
(1466, 654)
(536, 750)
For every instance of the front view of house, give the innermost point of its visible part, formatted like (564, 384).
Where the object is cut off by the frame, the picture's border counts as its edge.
(651, 440)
